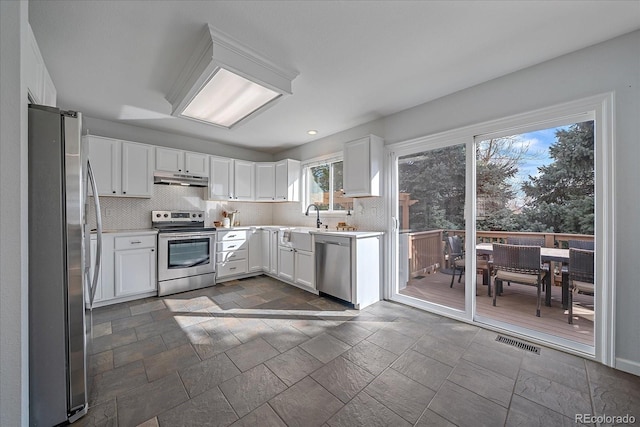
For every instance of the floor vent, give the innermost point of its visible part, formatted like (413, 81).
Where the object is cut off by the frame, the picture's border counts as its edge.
(520, 344)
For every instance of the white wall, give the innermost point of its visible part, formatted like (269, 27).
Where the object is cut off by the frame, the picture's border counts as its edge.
(14, 362)
(149, 136)
(610, 66)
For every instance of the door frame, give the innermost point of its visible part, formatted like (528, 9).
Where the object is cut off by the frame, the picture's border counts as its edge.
(600, 108)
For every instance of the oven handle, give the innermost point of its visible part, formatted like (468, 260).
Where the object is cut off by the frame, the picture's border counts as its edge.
(170, 236)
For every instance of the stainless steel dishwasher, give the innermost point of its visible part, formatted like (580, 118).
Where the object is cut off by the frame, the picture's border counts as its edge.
(333, 266)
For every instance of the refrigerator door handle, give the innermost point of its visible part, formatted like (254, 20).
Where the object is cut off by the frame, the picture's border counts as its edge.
(96, 201)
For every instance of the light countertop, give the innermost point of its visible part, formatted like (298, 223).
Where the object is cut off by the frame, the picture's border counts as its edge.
(358, 234)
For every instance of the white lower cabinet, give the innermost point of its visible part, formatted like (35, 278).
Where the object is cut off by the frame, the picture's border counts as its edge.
(265, 249)
(255, 250)
(286, 263)
(135, 271)
(128, 268)
(304, 268)
(273, 252)
(232, 258)
(296, 266)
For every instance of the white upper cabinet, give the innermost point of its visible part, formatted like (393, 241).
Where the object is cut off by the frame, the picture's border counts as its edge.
(171, 160)
(137, 169)
(196, 163)
(39, 83)
(265, 181)
(363, 160)
(168, 159)
(244, 179)
(287, 180)
(104, 154)
(220, 178)
(121, 168)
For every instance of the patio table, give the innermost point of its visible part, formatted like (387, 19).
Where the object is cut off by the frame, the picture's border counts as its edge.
(547, 255)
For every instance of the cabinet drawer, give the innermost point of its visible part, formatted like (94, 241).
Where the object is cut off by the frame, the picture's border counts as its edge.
(232, 235)
(133, 242)
(233, 267)
(231, 245)
(231, 255)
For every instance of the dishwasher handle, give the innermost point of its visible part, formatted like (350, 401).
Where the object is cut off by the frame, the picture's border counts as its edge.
(333, 243)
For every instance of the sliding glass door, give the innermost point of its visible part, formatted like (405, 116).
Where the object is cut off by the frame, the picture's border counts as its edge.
(537, 188)
(542, 179)
(429, 204)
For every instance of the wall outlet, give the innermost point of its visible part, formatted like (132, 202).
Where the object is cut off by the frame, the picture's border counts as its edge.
(374, 211)
(108, 212)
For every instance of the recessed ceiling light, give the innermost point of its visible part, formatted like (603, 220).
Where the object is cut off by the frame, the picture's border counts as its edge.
(312, 132)
(224, 82)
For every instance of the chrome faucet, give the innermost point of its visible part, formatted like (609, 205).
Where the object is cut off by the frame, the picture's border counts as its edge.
(318, 223)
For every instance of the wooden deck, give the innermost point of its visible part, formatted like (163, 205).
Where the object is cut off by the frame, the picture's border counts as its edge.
(517, 306)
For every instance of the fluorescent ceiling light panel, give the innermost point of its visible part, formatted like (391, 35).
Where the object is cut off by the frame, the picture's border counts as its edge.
(228, 98)
(224, 83)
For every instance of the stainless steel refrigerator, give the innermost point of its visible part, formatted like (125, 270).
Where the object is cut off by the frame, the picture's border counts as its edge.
(60, 289)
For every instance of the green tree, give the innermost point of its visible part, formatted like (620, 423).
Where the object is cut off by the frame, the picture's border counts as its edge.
(561, 197)
(435, 179)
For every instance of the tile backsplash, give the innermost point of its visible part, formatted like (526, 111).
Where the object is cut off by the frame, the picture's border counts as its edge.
(368, 214)
(124, 213)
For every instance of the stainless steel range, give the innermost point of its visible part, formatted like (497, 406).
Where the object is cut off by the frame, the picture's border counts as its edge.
(186, 251)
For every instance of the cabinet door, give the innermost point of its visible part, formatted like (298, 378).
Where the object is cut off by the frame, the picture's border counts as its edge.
(286, 263)
(104, 154)
(168, 159)
(363, 159)
(273, 252)
(288, 180)
(356, 167)
(220, 178)
(137, 169)
(135, 271)
(265, 181)
(265, 243)
(196, 163)
(304, 268)
(244, 173)
(255, 250)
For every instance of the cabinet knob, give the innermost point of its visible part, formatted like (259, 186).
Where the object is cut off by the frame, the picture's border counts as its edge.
(114, 191)
(153, 250)
(179, 170)
(124, 192)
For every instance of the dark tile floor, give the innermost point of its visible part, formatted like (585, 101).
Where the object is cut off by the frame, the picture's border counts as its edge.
(258, 352)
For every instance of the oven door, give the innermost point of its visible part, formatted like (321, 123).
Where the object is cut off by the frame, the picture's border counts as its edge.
(185, 254)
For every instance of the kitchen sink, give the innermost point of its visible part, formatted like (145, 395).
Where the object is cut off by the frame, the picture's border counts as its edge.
(298, 238)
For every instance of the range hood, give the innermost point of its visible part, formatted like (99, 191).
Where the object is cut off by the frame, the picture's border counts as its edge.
(178, 178)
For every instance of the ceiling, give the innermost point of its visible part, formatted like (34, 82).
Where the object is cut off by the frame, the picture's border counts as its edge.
(358, 60)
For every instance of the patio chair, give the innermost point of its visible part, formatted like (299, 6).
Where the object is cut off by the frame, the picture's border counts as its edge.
(456, 258)
(582, 244)
(526, 241)
(581, 275)
(518, 264)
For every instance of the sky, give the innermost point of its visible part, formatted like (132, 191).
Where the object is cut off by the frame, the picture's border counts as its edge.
(539, 142)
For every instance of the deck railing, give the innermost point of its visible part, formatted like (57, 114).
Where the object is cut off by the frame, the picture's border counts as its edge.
(425, 250)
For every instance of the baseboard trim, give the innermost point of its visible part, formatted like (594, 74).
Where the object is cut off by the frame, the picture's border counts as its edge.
(627, 365)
